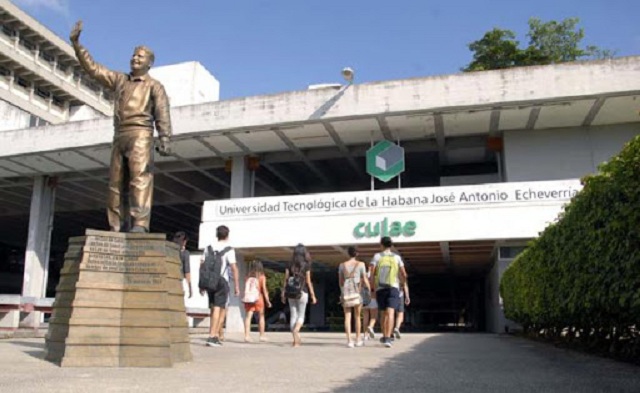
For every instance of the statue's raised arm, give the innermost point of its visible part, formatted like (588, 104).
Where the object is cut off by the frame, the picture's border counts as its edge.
(75, 33)
(100, 73)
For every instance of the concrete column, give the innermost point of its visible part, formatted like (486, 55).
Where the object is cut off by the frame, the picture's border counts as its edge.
(36, 261)
(241, 187)
(235, 311)
(12, 79)
(241, 178)
(316, 311)
(495, 319)
(32, 91)
(10, 318)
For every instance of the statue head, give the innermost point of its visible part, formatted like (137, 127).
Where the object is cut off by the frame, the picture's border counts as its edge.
(142, 60)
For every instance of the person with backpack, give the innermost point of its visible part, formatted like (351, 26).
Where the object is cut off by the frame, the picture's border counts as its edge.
(217, 259)
(297, 287)
(352, 274)
(255, 297)
(389, 271)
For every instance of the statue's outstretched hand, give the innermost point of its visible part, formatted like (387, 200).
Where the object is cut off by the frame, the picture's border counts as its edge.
(75, 33)
(163, 147)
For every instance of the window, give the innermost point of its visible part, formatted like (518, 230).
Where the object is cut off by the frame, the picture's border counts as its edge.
(42, 93)
(58, 102)
(47, 57)
(511, 252)
(23, 82)
(34, 121)
(8, 31)
(5, 72)
(91, 86)
(28, 44)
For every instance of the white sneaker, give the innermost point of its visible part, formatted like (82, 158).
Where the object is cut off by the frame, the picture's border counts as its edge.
(360, 343)
(350, 344)
(396, 333)
(372, 334)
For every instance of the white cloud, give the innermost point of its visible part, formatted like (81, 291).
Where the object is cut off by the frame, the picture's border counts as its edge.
(59, 6)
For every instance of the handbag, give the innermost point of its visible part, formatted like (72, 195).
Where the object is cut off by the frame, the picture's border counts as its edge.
(366, 296)
(350, 296)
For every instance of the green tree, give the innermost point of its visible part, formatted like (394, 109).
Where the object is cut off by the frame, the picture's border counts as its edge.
(549, 43)
(274, 282)
(496, 50)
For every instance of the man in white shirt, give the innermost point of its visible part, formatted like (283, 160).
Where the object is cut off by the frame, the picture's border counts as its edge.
(219, 299)
(388, 272)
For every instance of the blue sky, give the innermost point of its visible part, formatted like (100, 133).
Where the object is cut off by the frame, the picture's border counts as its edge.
(262, 47)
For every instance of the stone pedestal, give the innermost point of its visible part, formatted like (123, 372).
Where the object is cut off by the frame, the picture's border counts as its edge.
(119, 303)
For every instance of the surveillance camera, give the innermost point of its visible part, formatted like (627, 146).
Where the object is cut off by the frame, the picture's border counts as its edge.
(347, 74)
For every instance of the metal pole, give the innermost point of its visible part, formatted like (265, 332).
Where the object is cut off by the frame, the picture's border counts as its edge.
(373, 185)
(253, 184)
(499, 162)
(399, 174)
(47, 238)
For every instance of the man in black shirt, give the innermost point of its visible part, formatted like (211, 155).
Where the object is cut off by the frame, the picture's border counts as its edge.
(181, 239)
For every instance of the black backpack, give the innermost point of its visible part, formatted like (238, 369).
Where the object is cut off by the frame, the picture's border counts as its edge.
(211, 270)
(295, 285)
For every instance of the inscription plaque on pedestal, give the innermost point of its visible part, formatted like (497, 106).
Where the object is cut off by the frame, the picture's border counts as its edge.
(119, 303)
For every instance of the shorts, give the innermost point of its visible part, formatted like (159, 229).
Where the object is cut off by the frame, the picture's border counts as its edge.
(400, 307)
(388, 298)
(255, 307)
(219, 298)
(373, 305)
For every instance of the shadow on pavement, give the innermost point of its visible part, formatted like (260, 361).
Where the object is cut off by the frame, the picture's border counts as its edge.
(29, 344)
(492, 363)
(39, 351)
(306, 342)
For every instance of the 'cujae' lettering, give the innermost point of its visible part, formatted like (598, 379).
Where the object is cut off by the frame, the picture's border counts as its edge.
(384, 228)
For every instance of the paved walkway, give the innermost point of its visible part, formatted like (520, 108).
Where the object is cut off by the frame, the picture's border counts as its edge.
(417, 363)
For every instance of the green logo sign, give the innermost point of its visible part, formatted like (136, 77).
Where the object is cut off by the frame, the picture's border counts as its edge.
(384, 228)
(385, 161)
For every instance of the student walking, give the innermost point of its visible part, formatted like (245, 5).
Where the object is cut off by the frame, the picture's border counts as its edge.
(181, 239)
(256, 296)
(404, 301)
(370, 311)
(352, 275)
(217, 259)
(297, 288)
(388, 273)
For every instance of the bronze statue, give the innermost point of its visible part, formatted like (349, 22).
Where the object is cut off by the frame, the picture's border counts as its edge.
(140, 104)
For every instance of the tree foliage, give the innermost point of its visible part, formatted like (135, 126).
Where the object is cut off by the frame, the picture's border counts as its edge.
(274, 282)
(580, 280)
(549, 43)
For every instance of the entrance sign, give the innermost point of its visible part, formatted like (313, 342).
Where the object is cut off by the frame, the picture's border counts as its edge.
(385, 160)
(385, 202)
(426, 214)
(384, 228)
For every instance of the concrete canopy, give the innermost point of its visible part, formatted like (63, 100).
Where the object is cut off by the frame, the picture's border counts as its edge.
(296, 135)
